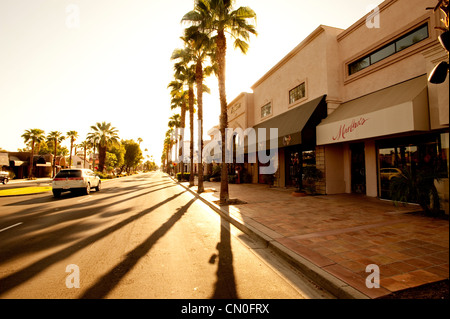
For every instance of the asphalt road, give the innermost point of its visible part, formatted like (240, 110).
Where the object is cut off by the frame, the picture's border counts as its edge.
(139, 237)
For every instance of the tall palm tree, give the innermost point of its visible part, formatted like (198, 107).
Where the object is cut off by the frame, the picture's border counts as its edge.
(203, 48)
(105, 135)
(56, 137)
(186, 71)
(216, 18)
(34, 136)
(72, 135)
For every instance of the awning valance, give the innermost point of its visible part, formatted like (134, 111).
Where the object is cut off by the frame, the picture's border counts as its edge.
(15, 161)
(292, 124)
(396, 109)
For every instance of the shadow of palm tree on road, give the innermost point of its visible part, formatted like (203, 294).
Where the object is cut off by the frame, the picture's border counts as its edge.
(105, 284)
(21, 276)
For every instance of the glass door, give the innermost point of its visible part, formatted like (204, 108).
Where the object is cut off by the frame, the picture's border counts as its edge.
(358, 168)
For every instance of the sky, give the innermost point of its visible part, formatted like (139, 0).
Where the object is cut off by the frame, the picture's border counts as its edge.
(67, 64)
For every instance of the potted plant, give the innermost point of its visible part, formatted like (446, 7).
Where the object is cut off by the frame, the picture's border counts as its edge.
(311, 175)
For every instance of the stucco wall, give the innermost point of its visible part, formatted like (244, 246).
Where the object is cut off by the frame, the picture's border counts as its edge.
(397, 17)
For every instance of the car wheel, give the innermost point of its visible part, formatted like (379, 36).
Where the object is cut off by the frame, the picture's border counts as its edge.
(56, 193)
(99, 186)
(88, 189)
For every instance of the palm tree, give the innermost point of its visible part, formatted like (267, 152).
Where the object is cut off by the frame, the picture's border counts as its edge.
(56, 137)
(168, 143)
(202, 48)
(73, 135)
(105, 135)
(93, 141)
(86, 144)
(215, 18)
(179, 99)
(185, 70)
(33, 136)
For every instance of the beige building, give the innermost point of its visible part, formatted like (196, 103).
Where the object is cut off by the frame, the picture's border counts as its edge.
(356, 103)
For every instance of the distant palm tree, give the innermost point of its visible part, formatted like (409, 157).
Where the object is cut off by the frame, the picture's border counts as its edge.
(72, 135)
(33, 136)
(215, 18)
(105, 135)
(185, 68)
(179, 99)
(203, 49)
(86, 144)
(56, 137)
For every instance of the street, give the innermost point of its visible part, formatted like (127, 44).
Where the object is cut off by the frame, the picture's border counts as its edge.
(142, 236)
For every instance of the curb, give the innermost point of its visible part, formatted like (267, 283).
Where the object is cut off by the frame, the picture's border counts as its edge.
(332, 284)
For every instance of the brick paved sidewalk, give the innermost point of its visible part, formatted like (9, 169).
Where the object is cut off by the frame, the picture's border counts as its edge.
(343, 234)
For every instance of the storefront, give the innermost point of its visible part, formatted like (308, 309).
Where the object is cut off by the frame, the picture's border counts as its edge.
(413, 154)
(380, 135)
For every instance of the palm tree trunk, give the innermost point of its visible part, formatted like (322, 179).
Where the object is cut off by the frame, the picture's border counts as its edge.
(191, 130)
(84, 159)
(70, 157)
(30, 168)
(199, 79)
(101, 157)
(183, 126)
(54, 157)
(221, 51)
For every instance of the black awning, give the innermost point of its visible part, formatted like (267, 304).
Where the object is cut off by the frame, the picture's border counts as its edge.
(296, 126)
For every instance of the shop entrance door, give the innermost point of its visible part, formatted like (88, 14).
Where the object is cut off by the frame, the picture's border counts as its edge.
(358, 168)
(293, 161)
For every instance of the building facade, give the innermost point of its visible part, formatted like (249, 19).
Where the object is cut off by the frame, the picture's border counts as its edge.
(357, 104)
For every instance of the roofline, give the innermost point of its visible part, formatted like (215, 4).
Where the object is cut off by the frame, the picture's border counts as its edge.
(319, 30)
(362, 21)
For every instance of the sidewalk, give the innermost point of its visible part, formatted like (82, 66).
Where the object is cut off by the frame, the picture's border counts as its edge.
(333, 238)
(17, 183)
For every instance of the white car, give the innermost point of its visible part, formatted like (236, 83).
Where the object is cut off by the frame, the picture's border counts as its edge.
(75, 179)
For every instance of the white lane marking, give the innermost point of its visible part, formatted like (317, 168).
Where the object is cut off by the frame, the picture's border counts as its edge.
(10, 227)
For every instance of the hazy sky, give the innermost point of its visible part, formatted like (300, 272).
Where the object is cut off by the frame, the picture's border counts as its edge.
(67, 64)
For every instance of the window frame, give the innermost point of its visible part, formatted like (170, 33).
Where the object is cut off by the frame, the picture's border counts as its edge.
(422, 26)
(271, 110)
(303, 83)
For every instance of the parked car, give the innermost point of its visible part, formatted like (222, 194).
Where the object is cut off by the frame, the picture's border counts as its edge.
(4, 177)
(388, 173)
(75, 180)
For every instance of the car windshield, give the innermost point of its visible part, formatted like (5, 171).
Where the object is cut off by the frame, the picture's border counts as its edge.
(69, 173)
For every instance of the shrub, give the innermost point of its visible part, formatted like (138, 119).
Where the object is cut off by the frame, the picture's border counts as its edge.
(184, 177)
(232, 179)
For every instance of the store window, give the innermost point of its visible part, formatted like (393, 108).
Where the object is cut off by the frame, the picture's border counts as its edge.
(417, 35)
(297, 93)
(266, 110)
(410, 155)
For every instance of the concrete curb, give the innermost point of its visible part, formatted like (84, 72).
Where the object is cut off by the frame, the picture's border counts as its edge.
(334, 285)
